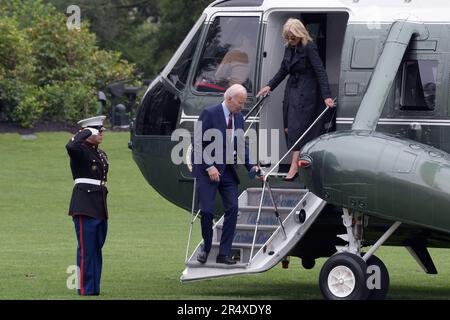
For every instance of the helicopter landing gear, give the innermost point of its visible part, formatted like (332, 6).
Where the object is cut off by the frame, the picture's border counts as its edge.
(343, 277)
(378, 278)
(308, 263)
(350, 274)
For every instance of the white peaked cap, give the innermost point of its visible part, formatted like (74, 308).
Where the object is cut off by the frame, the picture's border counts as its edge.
(92, 122)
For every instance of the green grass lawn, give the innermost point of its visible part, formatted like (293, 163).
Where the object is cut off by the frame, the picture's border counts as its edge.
(145, 246)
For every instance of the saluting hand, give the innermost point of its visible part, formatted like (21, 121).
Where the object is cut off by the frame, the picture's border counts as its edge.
(93, 131)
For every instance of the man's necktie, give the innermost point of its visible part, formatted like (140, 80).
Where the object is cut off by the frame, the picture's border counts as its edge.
(230, 134)
(230, 127)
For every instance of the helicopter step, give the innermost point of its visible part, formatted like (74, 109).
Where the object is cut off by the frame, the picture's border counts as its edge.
(260, 241)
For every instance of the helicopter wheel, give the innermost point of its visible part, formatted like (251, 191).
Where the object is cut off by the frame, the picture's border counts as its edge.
(343, 277)
(381, 284)
(308, 263)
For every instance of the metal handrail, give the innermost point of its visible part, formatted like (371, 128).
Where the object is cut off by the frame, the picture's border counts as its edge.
(266, 181)
(256, 106)
(257, 223)
(192, 220)
(276, 209)
(259, 214)
(295, 144)
(256, 115)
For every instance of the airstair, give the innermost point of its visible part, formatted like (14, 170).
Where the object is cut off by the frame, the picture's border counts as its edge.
(271, 221)
(262, 239)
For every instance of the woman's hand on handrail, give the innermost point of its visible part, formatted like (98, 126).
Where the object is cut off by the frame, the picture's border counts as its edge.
(264, 91)
(331, 103)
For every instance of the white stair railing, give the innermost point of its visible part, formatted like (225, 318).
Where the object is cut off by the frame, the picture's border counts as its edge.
(266, 181)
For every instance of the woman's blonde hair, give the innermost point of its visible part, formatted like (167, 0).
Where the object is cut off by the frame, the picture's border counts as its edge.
(297, 28)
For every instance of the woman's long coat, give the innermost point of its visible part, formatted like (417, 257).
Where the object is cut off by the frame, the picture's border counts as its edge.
(302, 98)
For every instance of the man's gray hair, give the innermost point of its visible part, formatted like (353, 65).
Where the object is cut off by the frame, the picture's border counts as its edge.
(234, 90)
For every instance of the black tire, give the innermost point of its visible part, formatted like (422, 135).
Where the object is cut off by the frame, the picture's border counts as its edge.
(308, 263)
(384, 281)
(353, 269)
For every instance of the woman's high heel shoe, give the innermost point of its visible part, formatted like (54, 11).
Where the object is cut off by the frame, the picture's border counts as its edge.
(292, 178)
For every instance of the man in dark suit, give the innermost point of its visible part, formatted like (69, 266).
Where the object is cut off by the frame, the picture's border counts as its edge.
(88, 208)
(216, 171)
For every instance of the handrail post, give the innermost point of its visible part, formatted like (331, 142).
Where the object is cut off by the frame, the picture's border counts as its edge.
(257, 223)
(256, 115)
(276, 209)
(192, 220)
(295, 144)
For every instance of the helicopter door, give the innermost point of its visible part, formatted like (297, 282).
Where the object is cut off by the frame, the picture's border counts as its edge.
(328, 30)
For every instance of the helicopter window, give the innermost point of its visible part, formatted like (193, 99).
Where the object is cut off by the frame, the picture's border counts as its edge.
(419, 85)
(240, 3)
(178, 75)
(229, 55)
(158, 113)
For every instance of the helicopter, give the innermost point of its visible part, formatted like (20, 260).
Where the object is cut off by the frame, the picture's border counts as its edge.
(378, 172)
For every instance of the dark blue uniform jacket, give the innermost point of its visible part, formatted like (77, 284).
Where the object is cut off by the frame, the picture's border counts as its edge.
(87, 161)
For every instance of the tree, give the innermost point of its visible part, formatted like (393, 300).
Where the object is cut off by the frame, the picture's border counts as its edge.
(128, 26)
(147, 32)
(48, 71)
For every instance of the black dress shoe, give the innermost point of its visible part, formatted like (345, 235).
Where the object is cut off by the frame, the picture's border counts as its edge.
(292, 178)
(202, 256)
(224, 259)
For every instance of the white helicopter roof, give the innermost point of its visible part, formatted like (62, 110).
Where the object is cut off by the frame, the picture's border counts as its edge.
(359, 10)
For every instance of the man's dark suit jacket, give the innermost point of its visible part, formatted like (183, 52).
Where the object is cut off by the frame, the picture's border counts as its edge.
(213, 118)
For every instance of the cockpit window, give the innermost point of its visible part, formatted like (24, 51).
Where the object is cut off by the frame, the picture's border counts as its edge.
(177, 69)
(179, 74)
(419, 85)
(158, 113)
(229, 55)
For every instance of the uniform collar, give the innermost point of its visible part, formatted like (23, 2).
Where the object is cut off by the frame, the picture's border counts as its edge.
(91, 145)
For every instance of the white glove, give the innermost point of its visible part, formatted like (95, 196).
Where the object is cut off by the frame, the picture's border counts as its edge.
(93, 131)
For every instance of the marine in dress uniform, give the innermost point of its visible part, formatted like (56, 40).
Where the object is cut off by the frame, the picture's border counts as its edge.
(89, 165)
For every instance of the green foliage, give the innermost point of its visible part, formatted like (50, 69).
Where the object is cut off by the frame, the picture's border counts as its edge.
(16, 66)
(175, 23)
(45, 68)
(147, 32)
(48, 71)
(29, 108)
(67, 100)
(128, 26)
(140, 48)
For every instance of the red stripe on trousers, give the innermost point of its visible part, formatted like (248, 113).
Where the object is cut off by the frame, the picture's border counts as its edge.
(82, 257)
